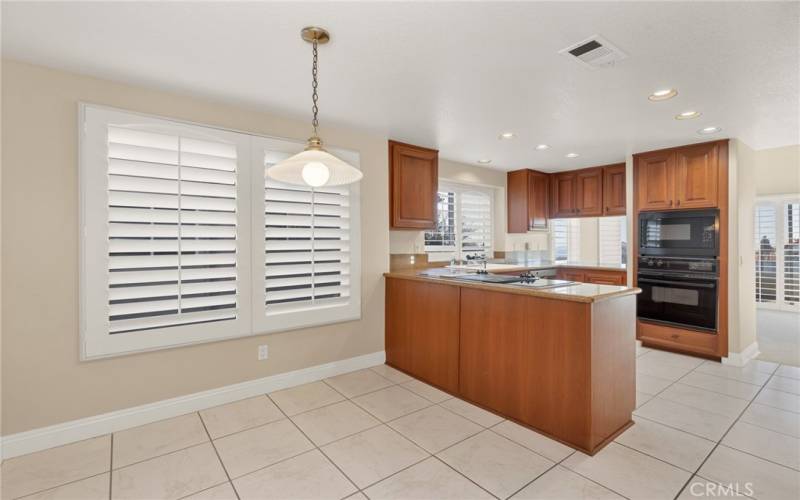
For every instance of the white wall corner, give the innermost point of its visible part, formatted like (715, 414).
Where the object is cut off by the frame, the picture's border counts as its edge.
(742, 358)
(77, 430)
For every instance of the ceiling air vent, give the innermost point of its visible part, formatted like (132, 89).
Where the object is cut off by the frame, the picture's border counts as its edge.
(594, 52)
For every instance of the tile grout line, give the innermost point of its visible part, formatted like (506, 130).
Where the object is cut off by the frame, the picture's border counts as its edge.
(26, 495)
(719, 443)
(111, 468)
(216, 452)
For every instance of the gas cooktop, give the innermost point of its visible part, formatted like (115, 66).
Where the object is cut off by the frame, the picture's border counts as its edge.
(543, 283)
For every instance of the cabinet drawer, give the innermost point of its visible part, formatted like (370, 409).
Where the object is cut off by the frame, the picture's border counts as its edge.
(677, 338)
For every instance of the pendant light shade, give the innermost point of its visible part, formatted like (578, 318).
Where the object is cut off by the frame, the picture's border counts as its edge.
(314, 167)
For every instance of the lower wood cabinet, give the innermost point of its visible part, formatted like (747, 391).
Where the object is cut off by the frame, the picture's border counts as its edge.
(422, 329)
(596, 276)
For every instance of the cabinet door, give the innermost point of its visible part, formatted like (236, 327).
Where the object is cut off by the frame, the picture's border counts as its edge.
(414, 178)
(571, 275)
(605, 278)
(654, 181)
(537, 200)
(562, 195)
(696, 171)
(422, 329)
(614, 189)
(517, 193)
(589, 192)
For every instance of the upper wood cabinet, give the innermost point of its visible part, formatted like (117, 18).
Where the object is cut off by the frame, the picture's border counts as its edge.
(614, 189)
(527, 195)
(685, 177)
(589, 192)
(413, 186)
(562, 195)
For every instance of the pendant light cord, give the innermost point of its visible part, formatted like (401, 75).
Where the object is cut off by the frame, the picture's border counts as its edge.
(314, 97)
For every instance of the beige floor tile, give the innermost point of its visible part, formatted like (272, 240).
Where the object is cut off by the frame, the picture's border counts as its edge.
(642, 398)
(158, 438)
(374, 454)
(390, 373)
(785, 422)
(713, 402)
(472, 412)
(392, 402)
(789, 372)
(672, 358)
(305, 397)
(703, 488)
(47, 469)
(222, 491)
(651, 385)
(764, 443)
(171, 476)
(357, 496)
(357, 383)
(750, 373)
(308, 476)
(685, 418)
(629, 472)
(333, 422)
(763, 366)
(427, 480)
(784, 384)
(562, 484)
(721, 385)
(665, 443)
(435, 428)
(648, 365)
(642, 350)
(539, 443)
(93, 488)
(428, 392)
(259, 447)
(495, 463)
(240, 415)
(768, 480)
(779, 399)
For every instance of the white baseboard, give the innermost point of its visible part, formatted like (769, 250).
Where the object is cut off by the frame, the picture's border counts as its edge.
(741, 358)
(76, 430)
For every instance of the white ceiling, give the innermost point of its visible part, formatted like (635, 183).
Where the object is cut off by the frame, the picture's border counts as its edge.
(452, 76)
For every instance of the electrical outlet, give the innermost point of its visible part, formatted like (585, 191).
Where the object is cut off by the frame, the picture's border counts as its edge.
(263, 352)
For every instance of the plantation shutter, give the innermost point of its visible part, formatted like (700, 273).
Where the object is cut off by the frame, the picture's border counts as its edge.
(791, 254)
(611, 234)
(566, 239)
(766, 254)
(476, 224)
(443, 238)
(307, 245)
(164, 250)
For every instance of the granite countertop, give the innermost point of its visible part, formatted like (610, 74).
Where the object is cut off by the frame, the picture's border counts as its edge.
(579, 292)
(510, 265)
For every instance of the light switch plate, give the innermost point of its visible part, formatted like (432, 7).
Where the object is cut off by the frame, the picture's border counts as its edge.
(263, 352)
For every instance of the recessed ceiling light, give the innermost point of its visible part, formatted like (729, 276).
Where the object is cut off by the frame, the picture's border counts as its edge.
(542, 147)
(572, 155)
(688, 115)
(708, 130)
(507, 135)
(484, 162)
(663, 94)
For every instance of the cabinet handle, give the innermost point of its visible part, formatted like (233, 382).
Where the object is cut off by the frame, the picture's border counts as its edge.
(670, 202)
(678, 202)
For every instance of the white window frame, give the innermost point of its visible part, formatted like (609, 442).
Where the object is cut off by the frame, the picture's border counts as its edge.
(301, 317)
(778, 202)
(95, 340)
(459, 189)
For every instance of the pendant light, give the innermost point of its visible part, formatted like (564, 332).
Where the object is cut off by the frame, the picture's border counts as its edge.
(314, 166)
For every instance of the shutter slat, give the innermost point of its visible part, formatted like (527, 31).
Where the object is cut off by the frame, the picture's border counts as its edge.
(171, 320)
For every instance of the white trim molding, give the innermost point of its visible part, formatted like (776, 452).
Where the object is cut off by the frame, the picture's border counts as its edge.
(77, 430)
(742, 358)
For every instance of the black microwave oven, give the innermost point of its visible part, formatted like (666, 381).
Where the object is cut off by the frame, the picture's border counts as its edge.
(679, 233)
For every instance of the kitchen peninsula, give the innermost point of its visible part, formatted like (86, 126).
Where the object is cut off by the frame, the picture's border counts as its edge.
(560, 360)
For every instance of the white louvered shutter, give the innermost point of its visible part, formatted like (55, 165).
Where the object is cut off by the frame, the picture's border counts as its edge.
(476, 223)
(172, 271)
(566, 242)
(791, 255)
(611, 235)
(766, 254)
(310, 247)
(443, 238)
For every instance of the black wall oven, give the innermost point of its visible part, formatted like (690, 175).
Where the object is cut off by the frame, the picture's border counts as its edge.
(684, 233)
(678, 291)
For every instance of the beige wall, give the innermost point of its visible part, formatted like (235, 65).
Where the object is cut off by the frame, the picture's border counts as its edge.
(43, 382)
(777, 170)
(413, 241)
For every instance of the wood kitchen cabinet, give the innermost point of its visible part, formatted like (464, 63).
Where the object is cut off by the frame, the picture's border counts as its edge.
(591, 275)
(562, 195)
(678, 178)
(413, 186)
(589, 192)
(614, 199)
(527, 200)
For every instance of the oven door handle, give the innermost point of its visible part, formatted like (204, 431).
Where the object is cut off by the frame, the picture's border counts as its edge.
(677, 283)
